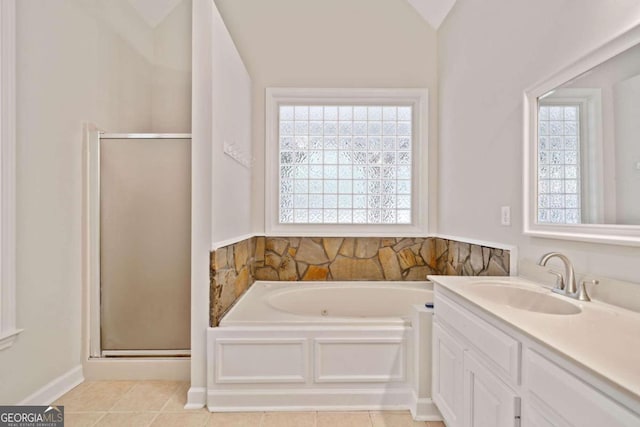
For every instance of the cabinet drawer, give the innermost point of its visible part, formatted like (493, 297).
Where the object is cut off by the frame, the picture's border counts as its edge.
(500, 350)
(570, 400)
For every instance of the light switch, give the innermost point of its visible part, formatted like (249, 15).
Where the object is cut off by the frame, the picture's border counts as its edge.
(505, 217)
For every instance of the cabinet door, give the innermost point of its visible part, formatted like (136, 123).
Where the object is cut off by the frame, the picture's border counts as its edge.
(536, 416)
(447, 375)
(567, 399)
(487, 401)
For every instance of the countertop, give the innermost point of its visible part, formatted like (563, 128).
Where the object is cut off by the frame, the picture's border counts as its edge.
(602, 338)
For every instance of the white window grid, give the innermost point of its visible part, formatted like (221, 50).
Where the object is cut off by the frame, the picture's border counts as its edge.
(345, 164)
(559, 184)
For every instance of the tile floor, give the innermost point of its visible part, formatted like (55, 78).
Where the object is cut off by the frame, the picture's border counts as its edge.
(160, 404)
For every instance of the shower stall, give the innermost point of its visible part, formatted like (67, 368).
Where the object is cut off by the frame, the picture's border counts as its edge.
(140, 235)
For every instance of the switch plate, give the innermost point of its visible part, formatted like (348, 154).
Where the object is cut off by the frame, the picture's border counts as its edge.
(505, 215)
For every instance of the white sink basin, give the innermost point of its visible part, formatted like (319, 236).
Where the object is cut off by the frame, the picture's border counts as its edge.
(524, 299)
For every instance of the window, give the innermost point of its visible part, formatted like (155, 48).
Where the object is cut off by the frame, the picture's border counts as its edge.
(8, 331)
(570, 152)
(345, 160)
(559, 183)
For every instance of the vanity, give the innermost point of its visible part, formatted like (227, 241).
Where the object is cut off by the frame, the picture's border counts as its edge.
(510, 352)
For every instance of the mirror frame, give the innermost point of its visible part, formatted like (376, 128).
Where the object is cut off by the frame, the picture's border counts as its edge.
(628, 235)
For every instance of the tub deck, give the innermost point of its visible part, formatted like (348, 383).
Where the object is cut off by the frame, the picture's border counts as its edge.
(253, 309)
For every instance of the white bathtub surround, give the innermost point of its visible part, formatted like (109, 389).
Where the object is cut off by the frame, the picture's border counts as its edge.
(288, 346)
(546, 362)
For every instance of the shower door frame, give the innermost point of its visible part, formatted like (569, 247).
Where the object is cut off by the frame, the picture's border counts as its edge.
(93, 242)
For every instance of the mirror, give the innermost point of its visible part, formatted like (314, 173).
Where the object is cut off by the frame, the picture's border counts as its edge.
(582, 148)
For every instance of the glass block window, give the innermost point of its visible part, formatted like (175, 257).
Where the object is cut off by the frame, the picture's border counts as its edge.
(345, 164)
(559, 164)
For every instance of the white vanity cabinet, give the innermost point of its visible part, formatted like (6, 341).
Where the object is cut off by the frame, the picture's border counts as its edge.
(474, 365)
(486, 373)
(557, 397)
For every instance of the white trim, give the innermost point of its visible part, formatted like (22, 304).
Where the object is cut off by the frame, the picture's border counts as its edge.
(104, 135)
(138, 368)
(146, 353)
(196, 398)
(8, 329)
(628, 235)
(92, 209)
(50, 392)
(417, 97)
(8, 338)
(331, 399)
(232, 241)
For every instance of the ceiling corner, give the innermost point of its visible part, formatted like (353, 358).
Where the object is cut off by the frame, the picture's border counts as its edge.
(433, 11)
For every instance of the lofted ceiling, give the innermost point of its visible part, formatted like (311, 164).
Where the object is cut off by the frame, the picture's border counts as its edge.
(433, 11)
(153, 12)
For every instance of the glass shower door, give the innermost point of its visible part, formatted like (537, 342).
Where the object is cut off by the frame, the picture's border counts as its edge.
(145, 241)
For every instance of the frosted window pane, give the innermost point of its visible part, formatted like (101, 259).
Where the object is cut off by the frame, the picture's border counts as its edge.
(316, 113)
(389, 113)
(315, 216)
(330, 113)
(404, 113)
(559, 189)
(286, 113)
(345, 113)
(375, 113)
(286, 128)
(389, 143)
(345, 216)
(359, 113)
(346, 164)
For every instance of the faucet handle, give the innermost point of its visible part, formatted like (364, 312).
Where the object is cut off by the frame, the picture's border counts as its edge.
(559, 280)
(582, 291)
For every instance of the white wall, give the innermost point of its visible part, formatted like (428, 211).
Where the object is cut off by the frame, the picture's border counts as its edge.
(330, 43)
(231, 121)
(77, 61)
(627, 128)
(171, 80)
(70, 70)
(221, 186)
(489, 53)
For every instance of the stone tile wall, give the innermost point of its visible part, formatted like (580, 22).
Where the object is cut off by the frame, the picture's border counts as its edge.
(234, 268)
(232, 273)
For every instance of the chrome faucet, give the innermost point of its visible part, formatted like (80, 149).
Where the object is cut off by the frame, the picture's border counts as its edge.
(566, 286)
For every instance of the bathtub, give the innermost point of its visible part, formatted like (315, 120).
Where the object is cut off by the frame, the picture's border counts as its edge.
(324, 346)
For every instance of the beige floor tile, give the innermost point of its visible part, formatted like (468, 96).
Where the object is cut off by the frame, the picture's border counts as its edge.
(147, 396)
(343, 419)
(235, 419)
(82, 419)
(127, 419)
(289, 419)
(178, 399)
(435, 424)
(395, 419)
(94, 396)
(180, 419)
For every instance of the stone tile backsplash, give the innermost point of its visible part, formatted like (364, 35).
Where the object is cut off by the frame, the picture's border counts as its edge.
(234, 268)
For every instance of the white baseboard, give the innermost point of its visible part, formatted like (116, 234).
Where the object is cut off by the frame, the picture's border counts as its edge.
(56, 388)
(196, 398)
(171, 369)
(308, 400)
(424, 409)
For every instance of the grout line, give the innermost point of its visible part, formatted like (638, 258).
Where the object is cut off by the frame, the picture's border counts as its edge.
(153, 419)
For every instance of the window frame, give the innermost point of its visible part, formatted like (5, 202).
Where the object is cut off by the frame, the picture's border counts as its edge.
(8, 329)
(417, 98)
